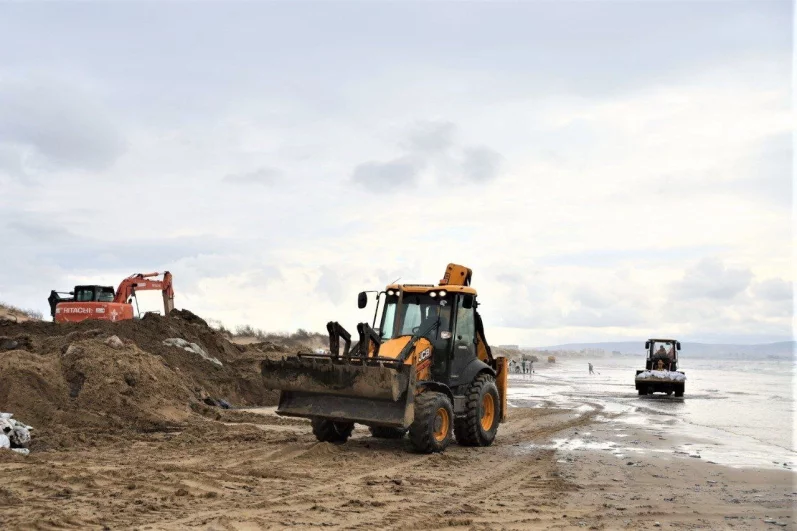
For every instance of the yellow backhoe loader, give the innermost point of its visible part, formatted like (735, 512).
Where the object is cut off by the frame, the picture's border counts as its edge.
(427, 370)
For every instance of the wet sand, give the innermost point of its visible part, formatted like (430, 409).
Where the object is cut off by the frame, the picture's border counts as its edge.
(550, 468)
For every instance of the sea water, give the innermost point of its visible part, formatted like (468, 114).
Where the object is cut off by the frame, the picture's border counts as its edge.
(739, 412)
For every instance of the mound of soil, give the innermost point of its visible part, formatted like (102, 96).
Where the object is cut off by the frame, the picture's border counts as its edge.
(69, 376)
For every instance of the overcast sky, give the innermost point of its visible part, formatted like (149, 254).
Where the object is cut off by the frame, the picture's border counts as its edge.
(610, 170)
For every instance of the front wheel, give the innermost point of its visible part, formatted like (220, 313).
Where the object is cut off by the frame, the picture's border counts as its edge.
(430, 431)
(679, 391)
(482, 413)
(326, 430)
(642, 392)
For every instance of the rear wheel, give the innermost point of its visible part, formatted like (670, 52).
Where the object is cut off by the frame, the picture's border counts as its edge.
(679, 391)
(642, 392)
(326, 430)
(431, 429)
(482, 413)
(383, 432)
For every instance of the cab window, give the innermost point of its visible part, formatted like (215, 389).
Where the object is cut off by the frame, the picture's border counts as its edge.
(466, 325)
(106, 296)
(84, 295)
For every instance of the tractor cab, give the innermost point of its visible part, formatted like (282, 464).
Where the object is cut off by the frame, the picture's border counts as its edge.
(662, 354)
(444, 315)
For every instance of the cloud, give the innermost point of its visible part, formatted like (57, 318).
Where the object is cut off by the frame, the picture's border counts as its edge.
(62, 126)
(11, 162)
(44, 233)
(542, 175)
(712, 279)
(261, 176)
(330, 285)
(430, 138)
(387, 177)
(593, 298)
(774, 289)
(766, 173)
(431, 144)
(619, 317)
(480, 164)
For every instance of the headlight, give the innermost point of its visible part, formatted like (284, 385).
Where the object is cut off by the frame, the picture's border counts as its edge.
(391, 292)
(443, 293)
(433, 294)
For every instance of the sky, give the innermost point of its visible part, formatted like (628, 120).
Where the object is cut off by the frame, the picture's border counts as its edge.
(609, 170)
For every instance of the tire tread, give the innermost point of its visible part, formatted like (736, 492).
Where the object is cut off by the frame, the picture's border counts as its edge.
(468, 429)
(421, 436)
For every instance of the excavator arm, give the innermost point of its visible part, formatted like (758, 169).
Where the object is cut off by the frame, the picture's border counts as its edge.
(144, 281)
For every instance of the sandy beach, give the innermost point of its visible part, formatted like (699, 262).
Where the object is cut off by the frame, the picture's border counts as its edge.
(550, 468)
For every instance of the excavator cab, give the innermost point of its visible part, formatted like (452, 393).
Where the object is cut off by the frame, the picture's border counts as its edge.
(94, 293)
(427, 370)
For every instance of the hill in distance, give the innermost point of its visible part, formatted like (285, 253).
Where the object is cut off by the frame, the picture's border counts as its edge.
(782, 349)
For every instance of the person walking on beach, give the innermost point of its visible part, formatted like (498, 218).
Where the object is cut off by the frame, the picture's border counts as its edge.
(523, 364)
(590, 368)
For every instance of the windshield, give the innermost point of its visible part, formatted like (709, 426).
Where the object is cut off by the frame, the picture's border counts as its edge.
(416, 313)
(106, 295)
(663, 349)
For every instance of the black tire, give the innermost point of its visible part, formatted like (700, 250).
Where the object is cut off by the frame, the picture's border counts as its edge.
(642, 392)
(430, 431)
(326, 430)
(669, 393)
(478, 427)
(679, 391)
(383, 432)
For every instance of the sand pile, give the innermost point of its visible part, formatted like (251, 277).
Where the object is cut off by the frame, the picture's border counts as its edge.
(101, 376)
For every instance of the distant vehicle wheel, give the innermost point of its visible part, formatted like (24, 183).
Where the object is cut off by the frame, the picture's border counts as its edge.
(679, 392)
(482, 413)
(326, 430)
(669, 393)
(642, 392)
(431, 429)
(383, 432)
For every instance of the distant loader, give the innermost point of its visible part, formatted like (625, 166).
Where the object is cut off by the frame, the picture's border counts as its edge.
(427, 370)
(661, 374)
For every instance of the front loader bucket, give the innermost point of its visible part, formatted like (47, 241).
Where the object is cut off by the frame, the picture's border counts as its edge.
(346, 390)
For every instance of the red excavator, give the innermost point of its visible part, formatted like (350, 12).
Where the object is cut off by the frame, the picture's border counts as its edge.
(102, 303)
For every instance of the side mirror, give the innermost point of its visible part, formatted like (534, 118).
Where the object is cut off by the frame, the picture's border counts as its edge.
(467, 301)
(362, 300)
(678, 345)
(647, 345)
